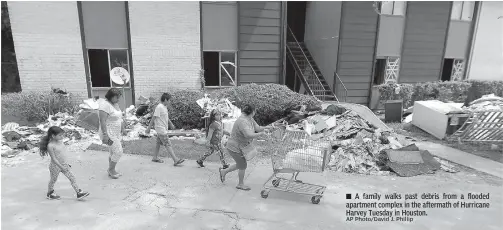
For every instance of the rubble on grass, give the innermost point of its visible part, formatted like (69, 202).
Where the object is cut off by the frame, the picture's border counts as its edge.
(17, 139)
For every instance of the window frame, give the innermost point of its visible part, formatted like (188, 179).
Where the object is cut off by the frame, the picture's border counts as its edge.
(462, 11)
(389, 71)
(235, 52)
(109, 67)
(393, 10)
(457, 72)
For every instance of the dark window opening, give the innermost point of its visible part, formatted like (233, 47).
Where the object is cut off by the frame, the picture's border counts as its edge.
(211, 67)
(447, 69)
(99, 69)
(379, 72)
(219, 68)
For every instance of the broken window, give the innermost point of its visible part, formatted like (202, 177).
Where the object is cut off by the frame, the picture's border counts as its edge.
(458, 69)
(453, 69)
(102, 61)
(379, 71)
(392, 68)
(219, 68)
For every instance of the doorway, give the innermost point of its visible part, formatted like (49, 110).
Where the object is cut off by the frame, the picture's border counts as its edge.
(296, 21)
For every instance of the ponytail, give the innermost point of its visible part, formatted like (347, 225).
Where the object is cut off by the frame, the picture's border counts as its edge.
(44, 141)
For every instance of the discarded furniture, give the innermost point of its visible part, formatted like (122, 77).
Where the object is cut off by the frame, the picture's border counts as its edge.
(481, 126)
(393, 111)
(436, 117)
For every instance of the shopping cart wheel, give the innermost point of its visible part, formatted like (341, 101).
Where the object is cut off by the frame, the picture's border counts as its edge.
(264, 194)
(275, 182)
(315, 199)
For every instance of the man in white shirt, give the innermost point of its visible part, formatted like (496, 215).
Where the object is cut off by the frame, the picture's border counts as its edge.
(160, 121)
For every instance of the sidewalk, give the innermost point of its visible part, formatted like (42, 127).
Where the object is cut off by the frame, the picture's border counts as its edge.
(160, 196)
(457, 156)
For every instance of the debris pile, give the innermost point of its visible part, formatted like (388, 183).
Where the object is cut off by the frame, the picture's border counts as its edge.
(223, 105)
(358, 145)
(17, 138)
(486, 102)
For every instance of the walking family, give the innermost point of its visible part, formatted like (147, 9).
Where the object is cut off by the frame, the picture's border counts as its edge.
(112, 128)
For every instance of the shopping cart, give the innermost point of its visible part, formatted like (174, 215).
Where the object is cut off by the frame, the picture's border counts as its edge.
(294, 152)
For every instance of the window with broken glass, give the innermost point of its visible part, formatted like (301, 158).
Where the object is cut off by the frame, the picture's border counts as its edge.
(219, 68)
(102, 61)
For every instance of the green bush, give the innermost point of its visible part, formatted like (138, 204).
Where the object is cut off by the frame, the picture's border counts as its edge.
(184, 111)
(488, 87)
(449, 91)
(396, 92)
(37, 106)
(271, 101)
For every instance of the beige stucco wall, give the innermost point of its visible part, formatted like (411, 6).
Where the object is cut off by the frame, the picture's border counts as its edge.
(487, 57)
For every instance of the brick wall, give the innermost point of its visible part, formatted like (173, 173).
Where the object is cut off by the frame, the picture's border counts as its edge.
(165, 42)
(48, 46)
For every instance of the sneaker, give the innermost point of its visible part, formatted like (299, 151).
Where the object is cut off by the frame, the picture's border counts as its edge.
(81, 194)
(225, 166)
(200, 163)
(52, 195)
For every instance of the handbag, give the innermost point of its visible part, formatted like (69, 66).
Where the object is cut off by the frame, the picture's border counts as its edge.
(250, 151)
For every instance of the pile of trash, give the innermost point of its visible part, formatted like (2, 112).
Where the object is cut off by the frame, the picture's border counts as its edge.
(16, 138)
(223, 105)
(486, 102)
(358, 145)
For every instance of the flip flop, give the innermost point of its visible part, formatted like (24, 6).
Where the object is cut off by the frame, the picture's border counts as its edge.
(179, 162)
(222, 178)
(244, 188)
(157, 160)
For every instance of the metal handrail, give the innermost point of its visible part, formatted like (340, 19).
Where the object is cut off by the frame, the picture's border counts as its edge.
(305, 58)
(303, 79)
(338, 79)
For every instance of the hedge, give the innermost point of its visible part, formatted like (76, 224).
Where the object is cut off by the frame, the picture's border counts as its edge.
(37, 106)
(449, 91)
(270, 100)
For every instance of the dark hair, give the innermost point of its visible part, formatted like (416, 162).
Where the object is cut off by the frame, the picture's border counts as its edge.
(248, 109)
(44, 142)
(112, 93)
(165, 97)
(213, 114)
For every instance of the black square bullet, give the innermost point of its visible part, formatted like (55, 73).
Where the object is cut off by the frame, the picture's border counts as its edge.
(348, 196)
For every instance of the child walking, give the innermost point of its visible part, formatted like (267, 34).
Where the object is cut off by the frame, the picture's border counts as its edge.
(53, 146)
(161, 123)
(214, 135)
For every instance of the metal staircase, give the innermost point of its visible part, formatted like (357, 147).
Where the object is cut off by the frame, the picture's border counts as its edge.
(307, 70)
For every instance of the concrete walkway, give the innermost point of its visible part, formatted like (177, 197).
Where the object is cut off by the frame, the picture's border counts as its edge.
(457, 156)
(160, 196)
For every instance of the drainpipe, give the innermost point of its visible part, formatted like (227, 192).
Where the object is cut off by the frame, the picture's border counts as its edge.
(473, 35)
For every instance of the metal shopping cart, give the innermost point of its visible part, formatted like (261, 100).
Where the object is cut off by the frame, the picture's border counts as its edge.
(294, 152)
